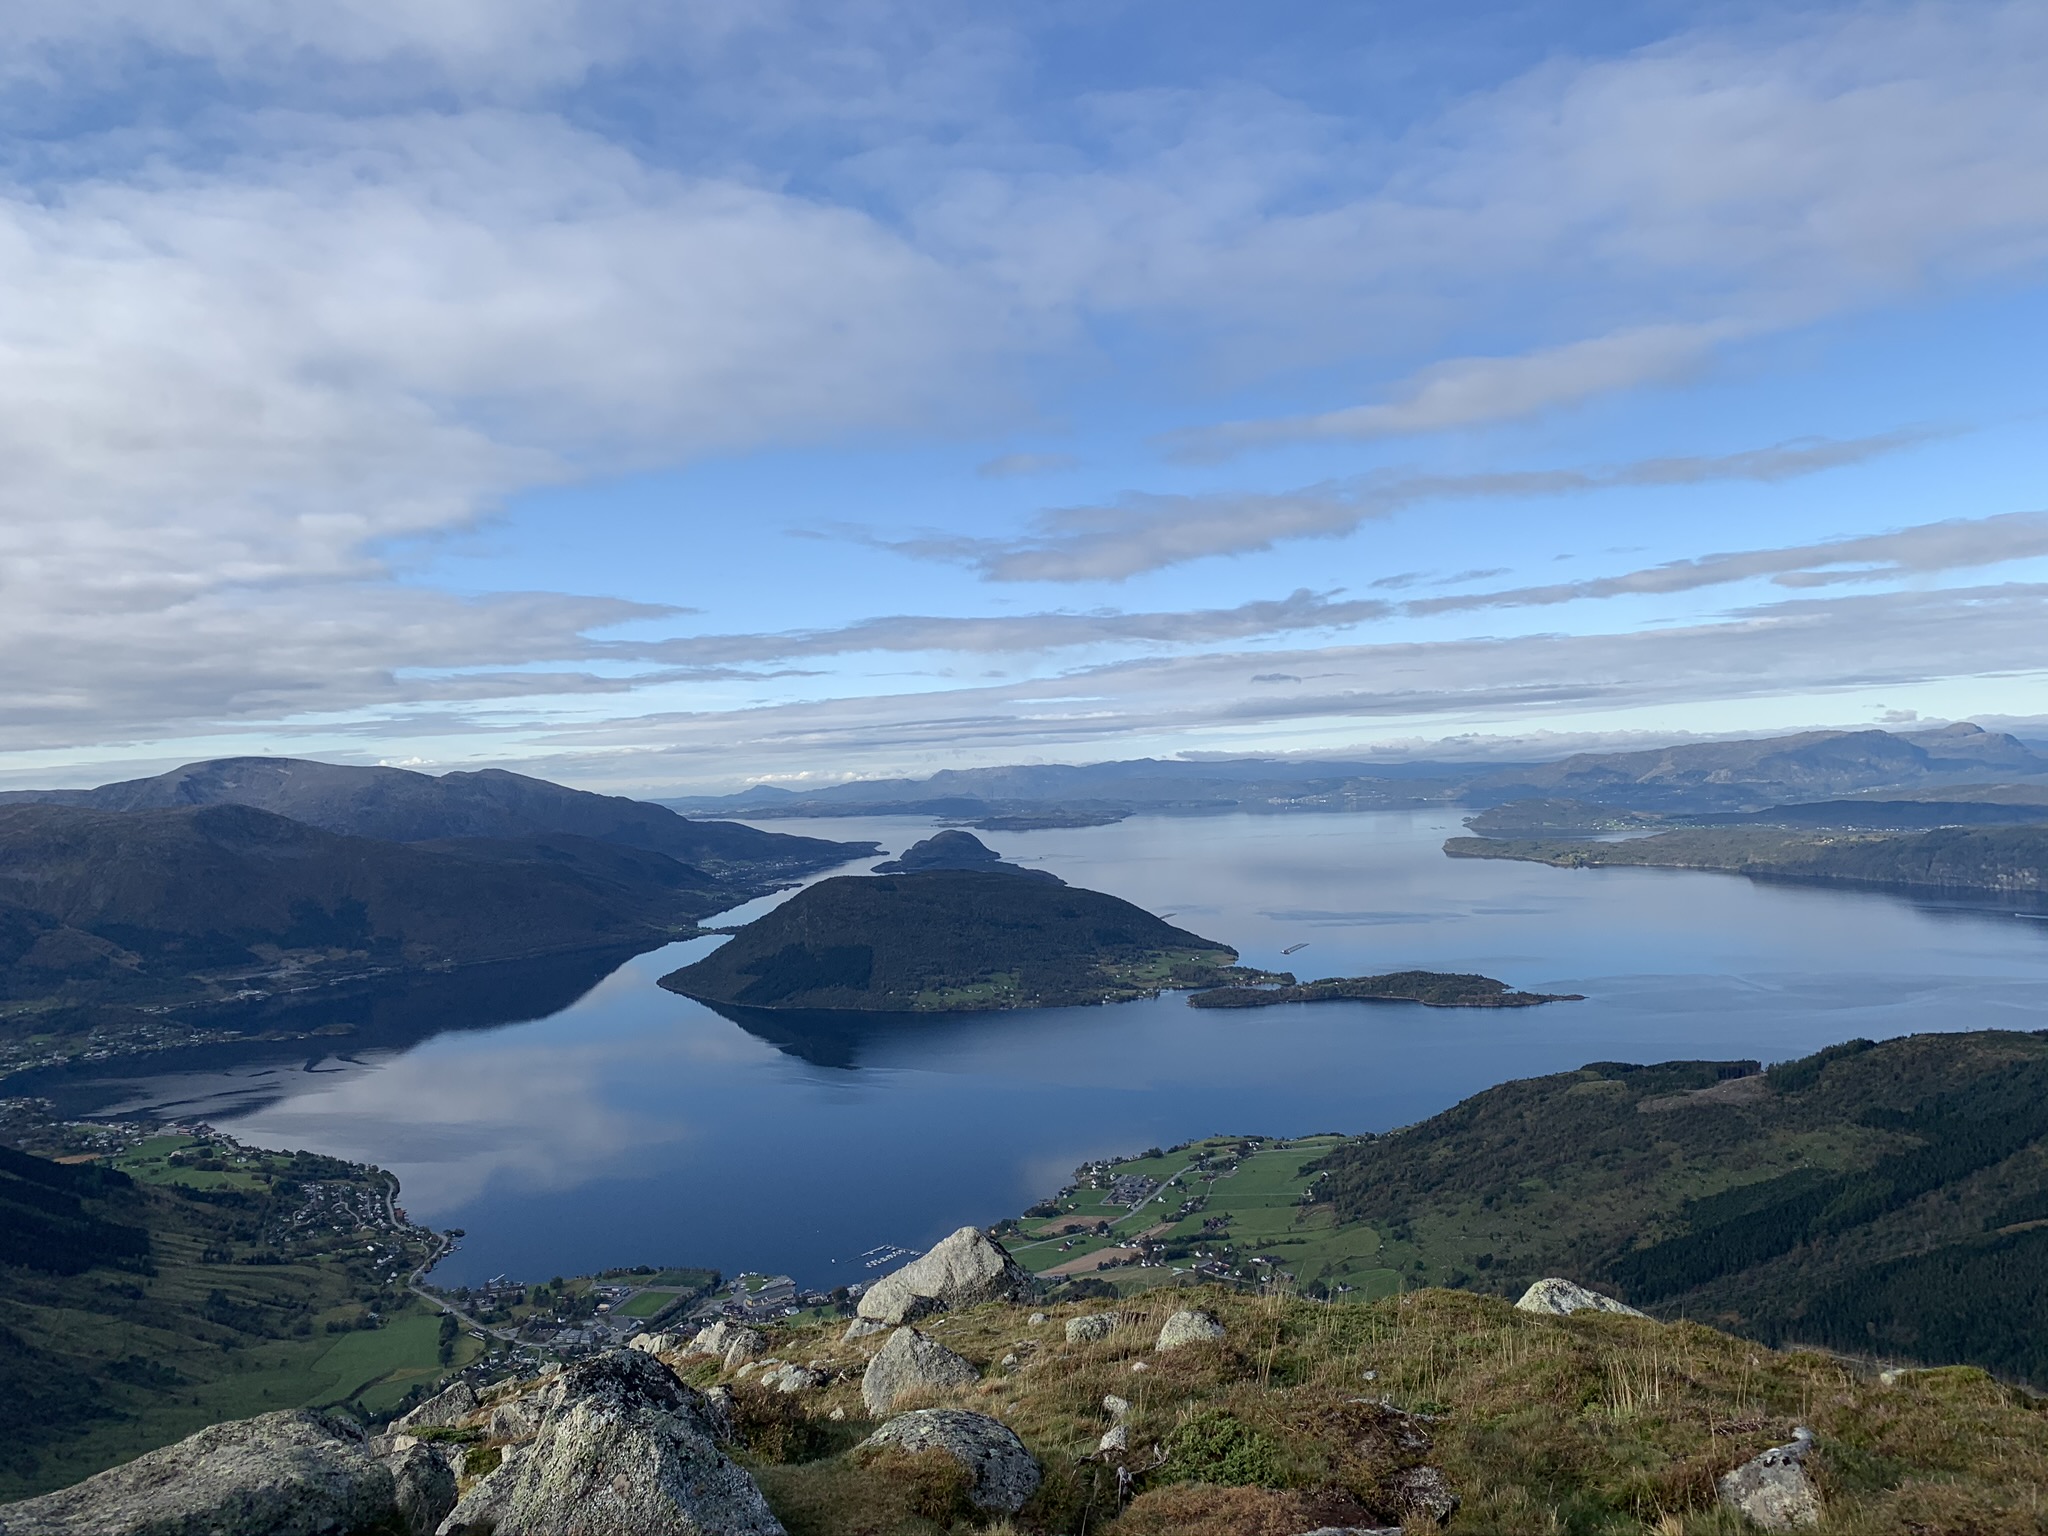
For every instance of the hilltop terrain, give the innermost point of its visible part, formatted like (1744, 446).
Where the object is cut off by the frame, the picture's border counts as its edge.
(957, 850)
(950, 941)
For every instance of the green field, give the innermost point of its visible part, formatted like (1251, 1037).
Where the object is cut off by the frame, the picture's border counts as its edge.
(645, 1303)
(1267, 1229)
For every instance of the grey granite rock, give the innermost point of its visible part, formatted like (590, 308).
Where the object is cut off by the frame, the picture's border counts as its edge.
(861, 1328)
(627, 1451)
(1116, 1407)
(911, 1362)
(1773, 1491)
(1097, 1325)
(424, 1483)
(743, 1345)
(449, 1407)
(1115, 1438)
(1424, 1491)
(1561, 1297)
(793, 1378)
(961, 1271)
(1003, 1472)
(658, 1343)
(282, 1474)
(1187, 1327)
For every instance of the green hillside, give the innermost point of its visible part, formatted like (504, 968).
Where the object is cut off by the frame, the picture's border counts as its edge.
(1890, 1199)
(180, 1283)
(950, 941)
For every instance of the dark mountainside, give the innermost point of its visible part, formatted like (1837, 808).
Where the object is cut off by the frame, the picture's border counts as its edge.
(2005, 861)
(400, 806)
(1887, 1198)
(1701, 777)
(949, 941)
(139, 900)
(957, 850)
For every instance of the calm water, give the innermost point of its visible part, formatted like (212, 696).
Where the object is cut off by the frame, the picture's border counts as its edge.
(633, 1126)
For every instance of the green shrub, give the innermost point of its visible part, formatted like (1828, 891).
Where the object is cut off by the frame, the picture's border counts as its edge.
(1217, 1447)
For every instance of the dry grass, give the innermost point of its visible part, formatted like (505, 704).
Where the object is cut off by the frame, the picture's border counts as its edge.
(1588, 1424)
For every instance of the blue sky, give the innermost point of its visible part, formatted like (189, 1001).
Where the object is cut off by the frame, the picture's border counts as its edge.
(677, 396)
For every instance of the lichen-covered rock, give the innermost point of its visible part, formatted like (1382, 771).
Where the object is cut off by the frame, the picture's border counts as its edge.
(658, 1343)
(424, 1485)
(627, 1451)
(517, 1420)
(743, 1345)
(793, 1378)
(1116, 1438)
(861, 1328)
(282, 1474)
(711, 1339)
(1186, 1327)
(1118, 1408)
(449, 1407)
(911, 1362)
(1561, 1297)
(962, 1271)
(1773, 1490)
(1424, 1491)
(1003, 1473)
(1097, 1325)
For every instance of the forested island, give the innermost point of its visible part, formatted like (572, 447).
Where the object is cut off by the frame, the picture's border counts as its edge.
(952, 941)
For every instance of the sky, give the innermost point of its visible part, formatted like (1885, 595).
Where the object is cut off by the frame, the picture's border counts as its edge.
(673, 397)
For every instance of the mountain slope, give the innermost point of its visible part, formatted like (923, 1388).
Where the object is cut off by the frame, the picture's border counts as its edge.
(948, 941)
(173, 905)
(398, 805)
(1889, 1198)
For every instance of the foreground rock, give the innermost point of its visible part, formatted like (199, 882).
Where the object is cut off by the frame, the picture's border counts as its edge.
(1562, 1297)
(283, 1474)
(1187, 1327)
(1097, 1325)
(626, 1450)
(423, 1485)
(1773, 1491)
(911, 1362)
(962, 1271)
(1003, 1472)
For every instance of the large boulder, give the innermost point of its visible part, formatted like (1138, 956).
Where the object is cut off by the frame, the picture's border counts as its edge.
(1562, 1297)
(743, 1345)
(1096, 1325)
(1189, 1327)
(1003, 1473)
(1773, 1491)
(911, 1362)
(627, 1450)
(284, 1474)
(967, 1268)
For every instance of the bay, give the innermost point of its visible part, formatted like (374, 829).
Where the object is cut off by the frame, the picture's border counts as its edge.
(630, 1125)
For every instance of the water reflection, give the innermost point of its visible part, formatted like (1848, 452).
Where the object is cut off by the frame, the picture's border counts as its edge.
(630, 1125)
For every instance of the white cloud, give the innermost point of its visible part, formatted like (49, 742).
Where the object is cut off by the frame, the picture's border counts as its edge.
(1144, 532)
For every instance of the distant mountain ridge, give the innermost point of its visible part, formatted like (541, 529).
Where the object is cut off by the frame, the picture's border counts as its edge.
(1726, 776)
(401, 806)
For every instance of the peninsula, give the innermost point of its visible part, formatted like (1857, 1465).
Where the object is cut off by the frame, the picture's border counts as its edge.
(1432, 989)
(952, 941)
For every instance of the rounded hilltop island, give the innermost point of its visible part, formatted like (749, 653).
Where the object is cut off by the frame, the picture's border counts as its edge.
(951, 941)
